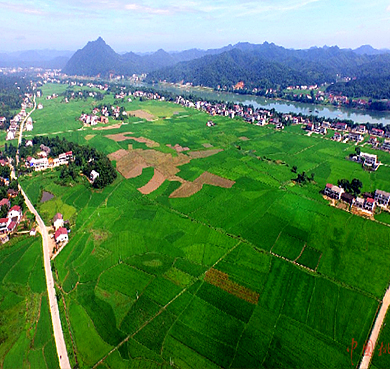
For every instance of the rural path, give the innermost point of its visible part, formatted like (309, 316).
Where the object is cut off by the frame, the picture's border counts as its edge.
(54, 311)
(370, 347)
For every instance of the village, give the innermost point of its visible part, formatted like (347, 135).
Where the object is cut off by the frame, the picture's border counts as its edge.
(364, 205)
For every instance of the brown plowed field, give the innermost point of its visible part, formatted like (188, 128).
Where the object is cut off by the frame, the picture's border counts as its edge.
(118, 154)
(188, 189)
(141, 114)
(221, 280)
(124, 136)
(203, 153)
(156, 181)
(114, 126)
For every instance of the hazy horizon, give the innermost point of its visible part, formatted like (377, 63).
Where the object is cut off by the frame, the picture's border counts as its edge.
(146, 26)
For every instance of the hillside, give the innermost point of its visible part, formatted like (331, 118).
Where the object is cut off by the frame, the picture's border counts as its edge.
(268, 65)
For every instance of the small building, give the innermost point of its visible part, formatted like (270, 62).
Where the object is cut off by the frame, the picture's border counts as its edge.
(337, 137)
(333, 192)
(33, 232)
(61, 235)
(93, 175)
(5, 202)
(382, 198)
(357, 137)
(369, 160)
(4, 222)
(58, 221)
(210, 123)
(12, 193)
(15, 213)
(11, 226)
(348, 198)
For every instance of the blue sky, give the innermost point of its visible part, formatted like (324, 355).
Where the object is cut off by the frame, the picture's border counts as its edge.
(143, 25)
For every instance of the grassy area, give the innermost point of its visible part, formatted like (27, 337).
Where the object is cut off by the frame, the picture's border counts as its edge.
(133, 272)
(26, 334)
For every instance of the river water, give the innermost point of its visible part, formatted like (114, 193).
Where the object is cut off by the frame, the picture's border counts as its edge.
(328, 112)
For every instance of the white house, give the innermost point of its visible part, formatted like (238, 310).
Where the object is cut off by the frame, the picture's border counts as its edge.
(58, 221)
(61, 235)
(15, 212)
(93, 175)
(4, 222)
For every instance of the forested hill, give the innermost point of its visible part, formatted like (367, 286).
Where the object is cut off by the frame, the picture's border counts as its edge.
(268, 65)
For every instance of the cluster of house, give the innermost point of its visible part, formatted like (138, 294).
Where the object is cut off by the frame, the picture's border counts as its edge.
(92, 120)
(259, 117)
(8, 224)
(61, 233)
(43, 162)
(367, 202)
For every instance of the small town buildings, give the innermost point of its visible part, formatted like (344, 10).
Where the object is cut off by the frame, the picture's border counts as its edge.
(61, 235)
(367, 204)
(210, 123)
(333, 192)
(377, 132)
(10, 135)
(382, 198)
(33, 232)
(11, 226)
(93, 175)
(58, 221)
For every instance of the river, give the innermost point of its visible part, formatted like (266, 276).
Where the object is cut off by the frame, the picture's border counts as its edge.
(328, 112)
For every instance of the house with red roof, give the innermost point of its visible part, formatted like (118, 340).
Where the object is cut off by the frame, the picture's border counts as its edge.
(15, 213)
(4, 222)
(11, 227)
(61, 235)
(5, 202)
(333, 192)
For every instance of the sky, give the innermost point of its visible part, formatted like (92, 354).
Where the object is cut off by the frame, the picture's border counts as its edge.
(145, 26)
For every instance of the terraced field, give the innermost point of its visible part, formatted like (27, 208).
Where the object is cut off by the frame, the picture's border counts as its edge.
(262, 274)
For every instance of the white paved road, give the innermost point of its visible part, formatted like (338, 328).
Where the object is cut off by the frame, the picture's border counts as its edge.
(370, 348)
(53, 304)
(55, 314)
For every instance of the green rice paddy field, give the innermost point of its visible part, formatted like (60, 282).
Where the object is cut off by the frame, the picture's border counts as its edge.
(133, 274)
(26, 334)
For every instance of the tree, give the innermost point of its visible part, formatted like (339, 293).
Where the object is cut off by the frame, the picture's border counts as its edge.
(355, 186)
(294, 169)
(357, 151)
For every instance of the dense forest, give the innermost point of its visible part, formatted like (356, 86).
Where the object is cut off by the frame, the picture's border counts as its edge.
(86, 159)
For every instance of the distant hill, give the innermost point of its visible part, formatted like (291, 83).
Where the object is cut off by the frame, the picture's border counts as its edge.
(369, 50)
(51, 59)
(97, 58)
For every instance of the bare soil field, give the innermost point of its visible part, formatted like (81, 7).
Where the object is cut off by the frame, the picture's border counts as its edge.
(188, 189)
(124, 136)
(114, 126)
(131, 163)
(89, 137)
(118, 137)
(203, 153)
(243, 138)
(156, 181)
(221, 280)
(178, 148)
(141, 114)
(207, 145)
(117, 155)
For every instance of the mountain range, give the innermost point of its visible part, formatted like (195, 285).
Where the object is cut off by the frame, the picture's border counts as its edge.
(257, 65)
